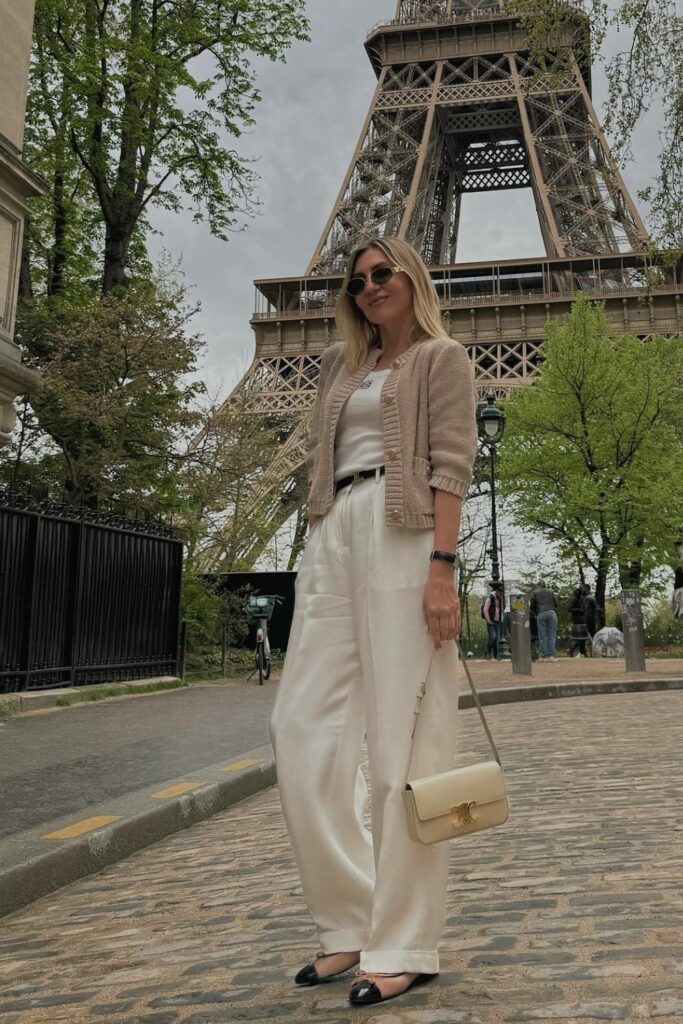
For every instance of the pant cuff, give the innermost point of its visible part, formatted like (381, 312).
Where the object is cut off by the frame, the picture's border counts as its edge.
(341, 942)
(386, 961)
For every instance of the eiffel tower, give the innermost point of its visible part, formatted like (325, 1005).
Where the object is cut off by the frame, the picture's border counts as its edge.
(461, 106)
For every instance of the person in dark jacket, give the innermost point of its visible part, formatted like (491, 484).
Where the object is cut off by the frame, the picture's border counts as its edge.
(493, 613)
(591, 610)
(582, 610)
(544, 610)
(677, 596)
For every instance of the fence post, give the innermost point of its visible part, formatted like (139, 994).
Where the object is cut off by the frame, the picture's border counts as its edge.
(183, 644)
(75, 596)
(35, 527)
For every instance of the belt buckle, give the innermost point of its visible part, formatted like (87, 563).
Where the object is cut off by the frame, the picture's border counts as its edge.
(355, 477)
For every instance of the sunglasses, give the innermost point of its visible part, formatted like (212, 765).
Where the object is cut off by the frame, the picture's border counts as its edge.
(378, 276)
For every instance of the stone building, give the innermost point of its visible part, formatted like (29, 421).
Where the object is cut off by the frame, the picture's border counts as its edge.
(17, 184)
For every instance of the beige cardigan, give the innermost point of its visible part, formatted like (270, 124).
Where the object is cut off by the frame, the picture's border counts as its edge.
(428, 406)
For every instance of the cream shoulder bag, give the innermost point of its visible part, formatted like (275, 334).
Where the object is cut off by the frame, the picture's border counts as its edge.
(459, 801)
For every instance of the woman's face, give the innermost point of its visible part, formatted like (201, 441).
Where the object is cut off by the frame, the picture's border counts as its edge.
(385, 304)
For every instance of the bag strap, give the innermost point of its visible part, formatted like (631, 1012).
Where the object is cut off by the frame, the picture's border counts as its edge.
(422, 691)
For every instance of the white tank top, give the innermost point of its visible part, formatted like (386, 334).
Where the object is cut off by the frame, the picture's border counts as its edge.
(359, 440)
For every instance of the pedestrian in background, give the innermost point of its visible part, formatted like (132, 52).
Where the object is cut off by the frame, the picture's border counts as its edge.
(677, 596)
(533, 632)
(590, 611)
(544, 608)
(375, 596)
(493, 614)
(581, 608)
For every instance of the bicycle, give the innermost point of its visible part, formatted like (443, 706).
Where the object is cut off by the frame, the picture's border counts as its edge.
(259, 608)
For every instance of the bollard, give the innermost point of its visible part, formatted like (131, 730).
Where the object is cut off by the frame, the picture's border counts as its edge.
(520, 634)
(632, 623)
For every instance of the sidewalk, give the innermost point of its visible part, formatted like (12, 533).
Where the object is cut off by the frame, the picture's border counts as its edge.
(572, 670)
(571, 912)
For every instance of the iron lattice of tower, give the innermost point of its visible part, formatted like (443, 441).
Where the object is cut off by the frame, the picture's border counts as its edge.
(461, 106)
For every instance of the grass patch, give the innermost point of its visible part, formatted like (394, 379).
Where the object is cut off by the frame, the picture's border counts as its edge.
(202, 667)
(657, 653)
(210, 674)
(9, 705)
(89, 693)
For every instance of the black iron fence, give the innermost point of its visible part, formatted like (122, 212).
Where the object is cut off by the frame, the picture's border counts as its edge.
(85, 596)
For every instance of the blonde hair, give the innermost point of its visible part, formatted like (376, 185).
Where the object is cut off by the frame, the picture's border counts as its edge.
(353, 326)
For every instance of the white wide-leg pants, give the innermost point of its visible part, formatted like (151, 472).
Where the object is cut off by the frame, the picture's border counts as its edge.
(358, 649)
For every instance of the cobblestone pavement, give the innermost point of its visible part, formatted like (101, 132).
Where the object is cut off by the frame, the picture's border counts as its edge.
(572, 912)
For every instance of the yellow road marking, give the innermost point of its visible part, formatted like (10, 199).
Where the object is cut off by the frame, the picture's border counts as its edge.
(80, 827)
(182, 787)
(237, 766)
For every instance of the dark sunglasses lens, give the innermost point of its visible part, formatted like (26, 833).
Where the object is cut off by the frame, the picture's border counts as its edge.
(382, 275)
(355, 285)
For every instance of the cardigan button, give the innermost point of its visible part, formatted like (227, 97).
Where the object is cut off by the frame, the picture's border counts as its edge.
(394, 514)
(388, 399)
(392, 455)
(395, 365)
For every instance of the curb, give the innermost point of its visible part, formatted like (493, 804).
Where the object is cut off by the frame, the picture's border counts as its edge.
(38, 700)
(555, 691)
(40, 875)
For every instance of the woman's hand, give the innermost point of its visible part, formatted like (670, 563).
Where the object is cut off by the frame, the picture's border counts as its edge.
(440, 604)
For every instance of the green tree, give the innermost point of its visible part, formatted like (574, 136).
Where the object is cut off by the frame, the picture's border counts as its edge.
(211, 615)
(646, 71)
(113, 419)
(592, 450)
(137, 103)
(225, 529)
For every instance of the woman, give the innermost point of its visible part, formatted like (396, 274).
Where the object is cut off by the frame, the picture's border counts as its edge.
(393, 441)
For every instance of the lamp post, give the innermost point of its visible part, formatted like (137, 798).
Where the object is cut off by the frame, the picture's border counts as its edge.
(491, 423)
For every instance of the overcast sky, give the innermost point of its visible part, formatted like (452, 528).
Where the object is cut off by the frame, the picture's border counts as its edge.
(307, 128)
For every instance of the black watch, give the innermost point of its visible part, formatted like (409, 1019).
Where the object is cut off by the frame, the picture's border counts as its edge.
(443, 556)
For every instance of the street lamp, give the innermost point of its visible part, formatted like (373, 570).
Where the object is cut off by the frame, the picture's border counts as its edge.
(491, 422)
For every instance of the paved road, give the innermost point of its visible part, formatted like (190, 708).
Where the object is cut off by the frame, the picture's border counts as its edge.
(56, 762)
(572, 912)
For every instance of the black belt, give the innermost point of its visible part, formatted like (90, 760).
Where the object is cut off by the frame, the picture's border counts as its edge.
(346, 480)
